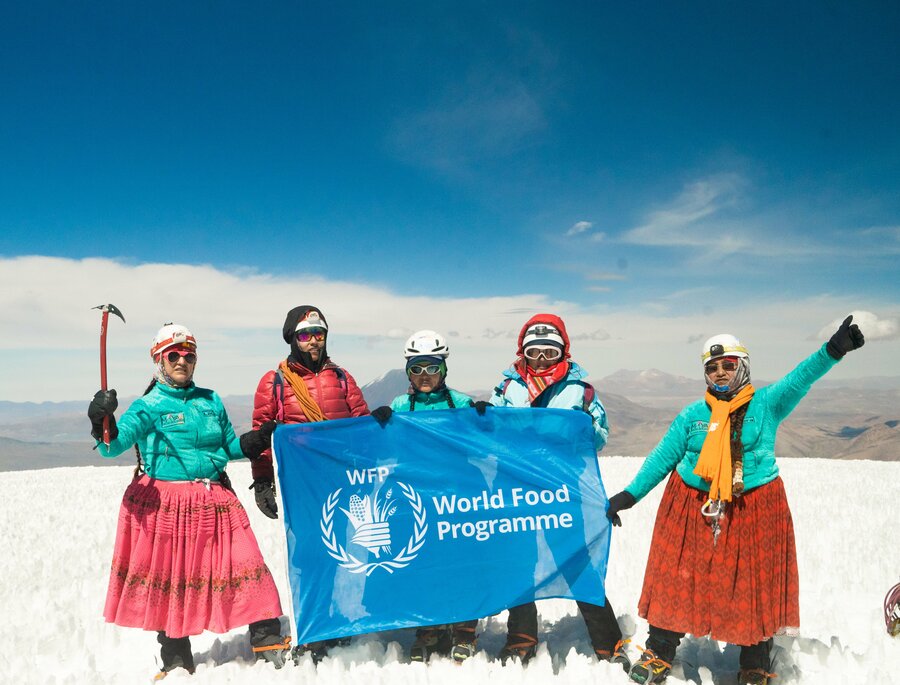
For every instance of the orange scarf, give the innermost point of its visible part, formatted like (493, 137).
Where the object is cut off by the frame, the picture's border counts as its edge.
(311, 410)
(714, 462)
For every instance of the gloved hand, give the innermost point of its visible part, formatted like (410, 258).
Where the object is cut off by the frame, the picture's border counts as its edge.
(382, 415)
(481, 406)
(846, 339)
(619, 502)
(104, 404)
(264, 491)
(255, 442)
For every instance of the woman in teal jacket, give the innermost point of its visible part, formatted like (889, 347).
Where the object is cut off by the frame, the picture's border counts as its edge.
(722, 559)
(185, 559)
(426, 355)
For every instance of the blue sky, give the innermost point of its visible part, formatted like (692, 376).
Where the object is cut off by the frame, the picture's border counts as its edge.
(700, 166)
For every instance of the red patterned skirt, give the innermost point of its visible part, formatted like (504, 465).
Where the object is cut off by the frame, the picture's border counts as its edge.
(744, 588)
(185, 561)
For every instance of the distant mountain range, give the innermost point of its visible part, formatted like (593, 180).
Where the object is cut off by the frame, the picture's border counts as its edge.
(849, 419)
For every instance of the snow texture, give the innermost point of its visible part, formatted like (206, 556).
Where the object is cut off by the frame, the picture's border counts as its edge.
(58, 529)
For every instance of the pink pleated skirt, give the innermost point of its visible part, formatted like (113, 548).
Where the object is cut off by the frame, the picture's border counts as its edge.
(186, 560)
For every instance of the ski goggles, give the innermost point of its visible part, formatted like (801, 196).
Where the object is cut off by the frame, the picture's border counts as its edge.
(308, 334)
(174, 354)
(418, 369)
(549, 352)
(728, 365)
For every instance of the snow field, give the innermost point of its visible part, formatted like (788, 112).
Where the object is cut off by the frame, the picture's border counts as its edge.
(58, 529)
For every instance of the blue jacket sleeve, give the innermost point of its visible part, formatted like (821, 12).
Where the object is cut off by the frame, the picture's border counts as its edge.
(662, 460)
(600, 422)
(498, 399)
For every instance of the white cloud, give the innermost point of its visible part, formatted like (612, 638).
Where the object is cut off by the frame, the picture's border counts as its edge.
(483, 119)
(872, 327)
(598, 334)
(579, 227)
(675, 225)
(49, 346)
(715, 217)
(604, 276)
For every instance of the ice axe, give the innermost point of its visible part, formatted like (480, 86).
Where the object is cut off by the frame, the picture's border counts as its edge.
(106, 309)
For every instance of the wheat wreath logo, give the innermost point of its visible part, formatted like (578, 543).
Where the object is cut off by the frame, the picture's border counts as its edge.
(370, 517)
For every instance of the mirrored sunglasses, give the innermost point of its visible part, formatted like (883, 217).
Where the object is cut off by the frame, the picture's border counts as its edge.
(308, 334)
(548, 352)
(174, 355)
(418, 370)
(728, 365)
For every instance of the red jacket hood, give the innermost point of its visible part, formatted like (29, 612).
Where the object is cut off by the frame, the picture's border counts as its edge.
(550, 319)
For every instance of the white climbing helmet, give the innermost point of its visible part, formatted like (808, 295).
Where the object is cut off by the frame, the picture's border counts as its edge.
(426, 344)
(723, 345)
(169, 335)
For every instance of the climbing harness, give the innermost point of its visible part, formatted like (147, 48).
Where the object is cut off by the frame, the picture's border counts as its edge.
(714, 510)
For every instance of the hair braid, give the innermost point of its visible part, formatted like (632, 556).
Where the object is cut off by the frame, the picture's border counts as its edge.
(737, 448)
(139, 469)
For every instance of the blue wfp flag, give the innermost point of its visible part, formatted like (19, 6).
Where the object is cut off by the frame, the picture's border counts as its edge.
(438, 517)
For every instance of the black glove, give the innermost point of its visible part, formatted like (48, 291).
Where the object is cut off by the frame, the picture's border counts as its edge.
(264, 491)
(481, 406)
(255, 442)
(104, 404)
(619, 502)
(846, 339)
(382, 415)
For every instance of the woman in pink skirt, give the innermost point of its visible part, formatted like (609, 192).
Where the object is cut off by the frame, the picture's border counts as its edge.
(185, 559)
(722, 559)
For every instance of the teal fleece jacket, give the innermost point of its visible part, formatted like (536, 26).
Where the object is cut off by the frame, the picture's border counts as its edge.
(183, 433)
(680, 447)
(431, 400)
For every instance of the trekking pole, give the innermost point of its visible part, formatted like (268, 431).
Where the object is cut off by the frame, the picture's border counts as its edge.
(106, 309)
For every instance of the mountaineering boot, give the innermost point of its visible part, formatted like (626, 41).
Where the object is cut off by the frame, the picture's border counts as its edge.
(649, 668)
(276, 653)
(616, 655)
(429, 641)
(464, 643)
(519, 647)
(267, 643)
(317, 650)
(754, 676)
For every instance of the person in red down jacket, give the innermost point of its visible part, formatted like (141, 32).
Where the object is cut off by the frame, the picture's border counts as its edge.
(307, 386)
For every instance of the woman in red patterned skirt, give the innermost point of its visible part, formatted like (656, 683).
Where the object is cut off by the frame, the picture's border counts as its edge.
(722, 559)
(185, 559)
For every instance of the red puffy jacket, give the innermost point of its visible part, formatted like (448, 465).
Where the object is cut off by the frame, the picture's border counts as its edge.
(333, 389)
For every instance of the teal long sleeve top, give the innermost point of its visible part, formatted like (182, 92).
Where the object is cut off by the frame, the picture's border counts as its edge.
(183, 433)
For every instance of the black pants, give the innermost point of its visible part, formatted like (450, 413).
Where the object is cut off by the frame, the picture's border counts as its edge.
(176, 651)
(602, 626)
(665, 642)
